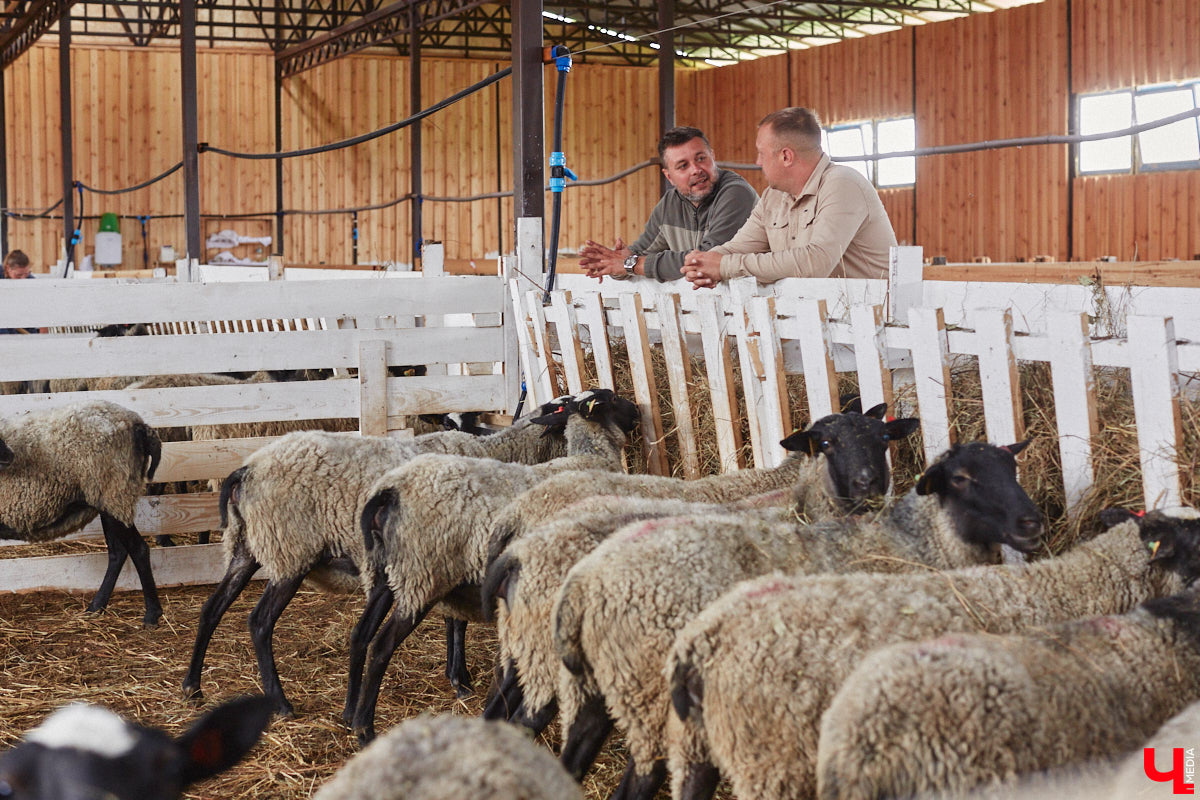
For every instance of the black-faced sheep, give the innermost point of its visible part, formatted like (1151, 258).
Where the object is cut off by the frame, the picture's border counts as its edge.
(621, 606)
(427, 526)
(771, 653)
(84, 752)
(449, 757)
(61, 467)
(968, 709)
(294, 507)
(848, 466)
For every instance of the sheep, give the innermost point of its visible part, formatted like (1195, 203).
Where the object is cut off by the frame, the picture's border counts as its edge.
(83, 752)
(1128, 777)
(654, 577)
(860, 440)
(963, 710)
(849, 462)
(61, 467)
(293, 508)
(770, 653)
(443, 757)
(427, 526)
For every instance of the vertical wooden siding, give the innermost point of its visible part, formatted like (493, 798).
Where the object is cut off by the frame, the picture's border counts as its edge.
(1116, 45)
(993, 76)
(984, 77)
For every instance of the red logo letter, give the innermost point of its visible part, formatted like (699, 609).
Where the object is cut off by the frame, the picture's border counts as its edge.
(1175, 775)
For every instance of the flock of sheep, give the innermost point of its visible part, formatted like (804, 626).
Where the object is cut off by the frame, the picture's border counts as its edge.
(796, 631)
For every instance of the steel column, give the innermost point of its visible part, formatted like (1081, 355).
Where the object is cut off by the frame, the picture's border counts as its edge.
(191, 136)
(666, 73)
(529, 156)
(3, 171)
(68, 166)
(414, 141)
(278, 249)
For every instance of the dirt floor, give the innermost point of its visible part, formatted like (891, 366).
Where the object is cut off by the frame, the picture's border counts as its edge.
(53, 652)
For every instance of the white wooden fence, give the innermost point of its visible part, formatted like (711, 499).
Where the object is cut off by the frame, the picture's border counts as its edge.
(904, 330)
(378, 328)
(910, 333)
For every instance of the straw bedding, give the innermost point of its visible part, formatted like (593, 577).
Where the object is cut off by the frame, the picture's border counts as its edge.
(52, 652)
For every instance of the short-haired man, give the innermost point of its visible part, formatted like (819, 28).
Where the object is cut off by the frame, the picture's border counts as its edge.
(815, 220)
(15, 267)
(704, 207)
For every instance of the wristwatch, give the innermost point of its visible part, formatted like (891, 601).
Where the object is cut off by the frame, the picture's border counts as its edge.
(629, 264)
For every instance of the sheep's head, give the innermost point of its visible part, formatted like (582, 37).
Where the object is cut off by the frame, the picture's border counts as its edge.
(1172, 535)
(597, 405)
(83, 752)
(855, 447)
(977, 484)
(6, 455)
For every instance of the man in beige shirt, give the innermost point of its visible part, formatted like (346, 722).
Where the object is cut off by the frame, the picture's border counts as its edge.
(816, 219)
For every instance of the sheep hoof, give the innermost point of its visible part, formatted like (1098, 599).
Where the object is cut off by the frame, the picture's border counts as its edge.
(192, 693)
(96, 608)
(150, 623)
(365, 735)
(463, 690)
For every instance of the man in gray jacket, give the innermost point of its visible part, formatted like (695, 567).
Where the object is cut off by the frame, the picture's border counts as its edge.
(704, 207)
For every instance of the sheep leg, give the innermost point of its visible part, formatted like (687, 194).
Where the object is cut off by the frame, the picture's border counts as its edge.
(275, 597)
(507, 694)
(139, 554)
(379, 602)
(640, 787)
(537, 720)
(456, 657)
(242, 567)
(700, 781)
(395, 631)
(116, 560)
(586, 736)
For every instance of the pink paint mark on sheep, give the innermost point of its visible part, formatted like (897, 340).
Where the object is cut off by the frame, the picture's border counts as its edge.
(769, 587)
(648, 528)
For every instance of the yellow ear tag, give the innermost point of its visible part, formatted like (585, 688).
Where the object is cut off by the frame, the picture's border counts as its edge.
(591, 405)
(1154, 548)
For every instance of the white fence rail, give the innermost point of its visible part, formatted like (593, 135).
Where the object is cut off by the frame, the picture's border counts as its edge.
(382, 324)
(819, 328)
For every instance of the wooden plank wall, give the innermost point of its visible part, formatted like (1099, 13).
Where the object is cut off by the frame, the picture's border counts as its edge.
(1010, 70)
(1008, 73)
(1115, 45)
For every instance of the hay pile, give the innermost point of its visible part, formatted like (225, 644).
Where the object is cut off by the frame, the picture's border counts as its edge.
(52, 652)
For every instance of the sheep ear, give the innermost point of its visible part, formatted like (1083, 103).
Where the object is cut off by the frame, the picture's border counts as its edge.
(222, 737)
(850, 404)
(557, 416)
(932, 480)
(6, 455)
(876, 412)
(898, 429)
(374, 515)
(1016, 448)
(801, 442)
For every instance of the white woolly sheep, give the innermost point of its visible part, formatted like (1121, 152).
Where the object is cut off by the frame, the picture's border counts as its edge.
(963, 710)
(61, 467)
(444, 757)
(294, 508)
(851, 449)
(770, 654)
(850, 464)
(428, 522)
(84, 752)
(1166, 753)
(620, 607)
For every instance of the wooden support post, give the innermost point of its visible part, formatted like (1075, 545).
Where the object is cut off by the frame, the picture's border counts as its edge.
(776, 417)
(645, 391)
(932, 373)
(592, 314)
(816, 351)
(562, 316)
(870, 356)
(719, 366)
(1154, 374)
(998, 375)
(372, 386)
(679, 376)
(1074, 400)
